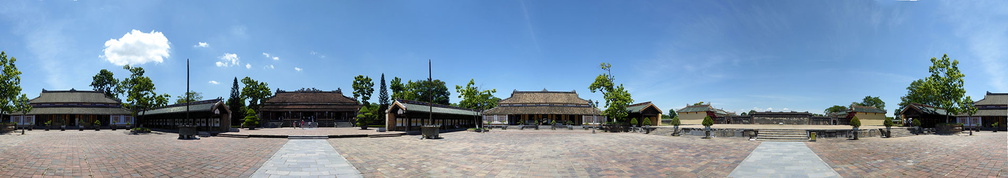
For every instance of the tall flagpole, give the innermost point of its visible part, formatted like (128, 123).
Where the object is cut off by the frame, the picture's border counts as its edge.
(187, 92)
(430, 102)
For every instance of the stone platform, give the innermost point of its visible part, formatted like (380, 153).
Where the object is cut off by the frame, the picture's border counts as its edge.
(751, 130)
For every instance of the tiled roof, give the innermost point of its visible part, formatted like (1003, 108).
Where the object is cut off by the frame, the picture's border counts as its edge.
(416, 106)
(310, 101)
(993, 99)
(578, 110)
(866, 109)
(80, 110)
(544, 97)
(635, 108)
(696, 108)
(197, 106)
(926, 109)
(72, 96)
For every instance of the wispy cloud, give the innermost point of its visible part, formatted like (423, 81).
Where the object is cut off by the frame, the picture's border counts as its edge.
(528, 24)
(248, 66)
(136, 47)
(297, 69)
(981, 23)
(201, 45)
(270, 56)
(213, 82)
(269, 66)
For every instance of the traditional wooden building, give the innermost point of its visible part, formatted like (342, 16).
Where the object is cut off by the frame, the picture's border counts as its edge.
(206, 115)
(537, 107)
(73, 108)
(694, 114)
(992, 108)
(929, 116)
(869, 115)
(645, 110)
(405, 115)
(326, 108)
(786, 118)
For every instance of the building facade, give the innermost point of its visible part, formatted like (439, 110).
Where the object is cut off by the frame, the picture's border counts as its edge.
(993, 108)
(543, 107)
(73, 109)
(326, 108)
(206, 115)
(645, 110)
(694, 114)
(869, 115)
(405, 115)
(929, 116)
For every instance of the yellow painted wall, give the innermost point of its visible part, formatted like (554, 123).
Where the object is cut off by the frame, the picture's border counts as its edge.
(870, 118)
(692, 117)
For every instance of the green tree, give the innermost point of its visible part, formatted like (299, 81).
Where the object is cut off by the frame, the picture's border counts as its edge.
(835, 109)
(363, 88)
(251, 119)
(106, 82)
(367, 114)
(383, 97)
(698, 103)
(139, 89)
(675, 121)
(474, 98)
(189, 97)
(855, 122)
(22, 105)
(397, 88)
(424, 90)
(617, 98)
(888, 122)
(872, 101)
(751, 112)
(672, 113)
(633, 121)
(943, 88)
(707, 121)
(10, 84)
(236, 103)
(646, 122)
(255, 92)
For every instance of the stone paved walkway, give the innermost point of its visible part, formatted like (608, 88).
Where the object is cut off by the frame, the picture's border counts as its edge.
(307, 158)
(783, 159)
(985, 154)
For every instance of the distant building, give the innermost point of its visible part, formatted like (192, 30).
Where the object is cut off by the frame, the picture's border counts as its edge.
(405, 115)
(73, 108)
(868, 115)
(534, 107)
(694, 114)
(993, 108)
(787, 118)
(206, 115)
(645, 110)
(929, 116)
(326, 108)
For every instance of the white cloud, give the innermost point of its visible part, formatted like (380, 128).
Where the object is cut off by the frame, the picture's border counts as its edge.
(228, 59)
(248, 66)
(270, 56)
(201, 45)
(137, 47)
(214, 82)
(297, 69)
(269, 67)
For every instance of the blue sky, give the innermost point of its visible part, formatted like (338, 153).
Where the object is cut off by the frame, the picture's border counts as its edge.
(738, 55)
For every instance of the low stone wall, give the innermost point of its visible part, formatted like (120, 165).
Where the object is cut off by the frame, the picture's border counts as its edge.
(751, 133)
(667, 131)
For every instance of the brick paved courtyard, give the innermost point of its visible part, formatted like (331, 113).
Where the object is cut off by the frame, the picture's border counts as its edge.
(530, 153)
(109, 153)
(502, 153)
(981, 155)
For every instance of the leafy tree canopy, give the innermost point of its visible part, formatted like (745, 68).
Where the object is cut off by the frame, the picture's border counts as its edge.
(189, 97)
(363, 88)
(942, 89)
(425, 90)
(105, 82)
(617, 98)
(872, 101)
(474, 98)
(139, 90)
(10, 84)
(397, 88)
(835, 109)
(255, 92)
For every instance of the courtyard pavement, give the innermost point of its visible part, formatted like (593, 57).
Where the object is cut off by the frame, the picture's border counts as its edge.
(500, 153)
(783, 159)
(307, 158)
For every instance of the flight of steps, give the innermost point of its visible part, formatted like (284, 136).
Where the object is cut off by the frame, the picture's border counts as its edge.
(782, 135)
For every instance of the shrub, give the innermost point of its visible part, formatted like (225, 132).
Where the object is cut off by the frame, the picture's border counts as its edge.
(97, 122)
(48, 123)
(996, 124)
(647, 121)
(367, 113)
(675, 121)
(915, 122)
(708, 121)
(633, 121)
(855, 122)
(888, 122)
(251, 119)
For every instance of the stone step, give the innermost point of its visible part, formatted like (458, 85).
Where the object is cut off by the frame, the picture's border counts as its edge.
(307, 137)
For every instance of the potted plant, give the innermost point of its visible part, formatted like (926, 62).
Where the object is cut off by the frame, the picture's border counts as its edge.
(888, 123)
(633, 122)
(570, 125)
(675, 126)
(995, 125)
(917, 126)
(366, 114)
(113, 125)
(707, 122)
(97, 125)
(647, 125)
(47, 124)
(855, 122)
(553, 124)
(251, 119)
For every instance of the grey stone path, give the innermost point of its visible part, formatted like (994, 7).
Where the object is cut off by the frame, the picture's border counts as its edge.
(783, 159)
(307, 158)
